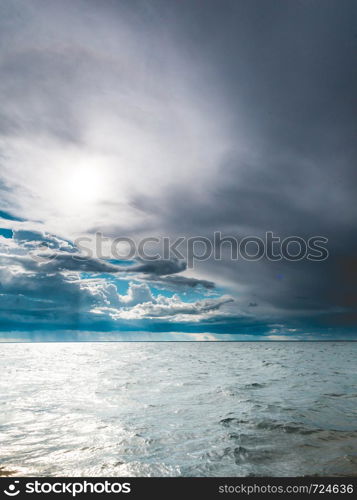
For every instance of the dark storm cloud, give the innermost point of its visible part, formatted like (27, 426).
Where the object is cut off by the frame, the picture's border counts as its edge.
(175, 282)
(47, 253)
(159, 267)
(288, 73)
(66, 261)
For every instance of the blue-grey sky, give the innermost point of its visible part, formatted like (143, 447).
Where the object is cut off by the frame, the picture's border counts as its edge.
(174, 118)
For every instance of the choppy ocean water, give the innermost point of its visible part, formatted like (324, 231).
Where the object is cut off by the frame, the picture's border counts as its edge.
(169, 409)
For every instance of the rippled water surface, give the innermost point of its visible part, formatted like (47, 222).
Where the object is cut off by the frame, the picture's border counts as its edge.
(192, 409)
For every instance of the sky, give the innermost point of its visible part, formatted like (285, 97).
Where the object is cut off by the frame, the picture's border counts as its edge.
(176, 118)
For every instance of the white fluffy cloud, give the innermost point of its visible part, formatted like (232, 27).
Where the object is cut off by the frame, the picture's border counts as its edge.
(139, 303)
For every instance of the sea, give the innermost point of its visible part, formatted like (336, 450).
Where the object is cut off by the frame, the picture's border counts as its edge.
(178, 409)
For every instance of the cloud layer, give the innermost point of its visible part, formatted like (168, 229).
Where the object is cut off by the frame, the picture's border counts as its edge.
(64, 289)
(179, 119)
